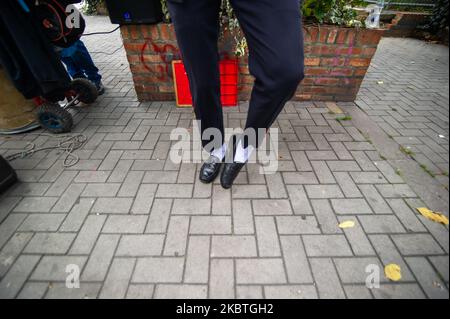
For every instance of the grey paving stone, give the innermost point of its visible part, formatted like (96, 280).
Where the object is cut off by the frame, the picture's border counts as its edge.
(301, 161)
(441, 263)
(131, 184)
(50, 243)
(357, 238)
(88, 234)
(389, 173)
(6, 205)
(188, 206)
(250, 191)
(221, 282)
(160, 177)
(381, 224)
(221, 201)
(243, 223)
(36, 204)
(349, 188)
(174, 191)
(249, 292)
(33, 290)
(125, 224)
(343, 166)
(210, 225)
(351, 207)
(416, 244)
(116, 282)
(76, 217)
(181, 292)
(260, 271)
(140, 245)
(358, 270)
(328, 222)
(100, 258)
(92, 177)
(139, 291)
(299, 200)
(326, 279)
(53, 268)
(233, 246)
(321, 155)
(429, 280)
(272, 207)
(62, 182)
(389, 254)
(402, 291)
(42, 222)
(177, 234)
(291, 292)
(323, 191)
(396, 191)
(323, 173)
(296, 262)
(197, 260)
(112, 205)
(299, 178)
(368, 178)
(13, 281)
(86, 291)
(406, 215)
(12, 250)
(121, 171)
(267, 237)
(101, 190)
(159, 216)
(326, 245)
(70, 197)
(158, 270)
(144, 199)
(357, 292)
(297, 225)
(375, 200)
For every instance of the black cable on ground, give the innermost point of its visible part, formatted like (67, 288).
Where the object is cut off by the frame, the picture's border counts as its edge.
(98, 33)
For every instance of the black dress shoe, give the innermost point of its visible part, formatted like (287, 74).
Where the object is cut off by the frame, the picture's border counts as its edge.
(210, 170)
(229, 174)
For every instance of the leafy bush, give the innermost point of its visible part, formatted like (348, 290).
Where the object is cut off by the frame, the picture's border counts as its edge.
(338, 12)
(90, 6)
(439, 18)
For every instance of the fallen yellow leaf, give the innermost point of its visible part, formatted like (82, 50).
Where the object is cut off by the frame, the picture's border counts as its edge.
(347, 224)
(393, 272)
(436, 217)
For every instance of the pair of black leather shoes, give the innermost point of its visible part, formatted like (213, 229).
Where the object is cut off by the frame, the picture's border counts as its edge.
(211, 169)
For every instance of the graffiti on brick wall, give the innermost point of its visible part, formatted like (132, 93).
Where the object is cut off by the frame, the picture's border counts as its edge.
(166, 52)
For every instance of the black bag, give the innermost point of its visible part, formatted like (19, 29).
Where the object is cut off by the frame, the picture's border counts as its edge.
(7, 175)
(52, 17)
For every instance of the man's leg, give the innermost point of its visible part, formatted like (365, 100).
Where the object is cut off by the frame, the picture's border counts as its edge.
(197, 28)
(275, 39)
(73, 69)
(84, 60)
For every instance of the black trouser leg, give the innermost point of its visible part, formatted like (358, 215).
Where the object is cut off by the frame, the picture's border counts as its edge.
(273, 29)
(275, 39)
(197, 28)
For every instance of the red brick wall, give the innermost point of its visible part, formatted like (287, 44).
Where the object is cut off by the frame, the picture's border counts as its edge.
(336, 61)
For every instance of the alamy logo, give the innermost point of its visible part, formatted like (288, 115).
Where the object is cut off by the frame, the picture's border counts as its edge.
(73, 277)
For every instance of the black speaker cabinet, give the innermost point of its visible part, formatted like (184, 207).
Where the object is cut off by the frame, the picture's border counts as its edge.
(135, 11)
(7, 175)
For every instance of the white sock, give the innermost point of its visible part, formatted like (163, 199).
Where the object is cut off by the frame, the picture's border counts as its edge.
(220, 152)
(243, 155)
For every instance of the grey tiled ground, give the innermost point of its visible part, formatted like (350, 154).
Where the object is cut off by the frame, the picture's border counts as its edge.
(411, 105)
(139, 226)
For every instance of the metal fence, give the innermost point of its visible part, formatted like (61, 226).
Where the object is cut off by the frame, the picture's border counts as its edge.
(406, 3)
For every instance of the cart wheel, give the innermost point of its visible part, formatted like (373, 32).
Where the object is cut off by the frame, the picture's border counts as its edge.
(54, 118)
(86, 90)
